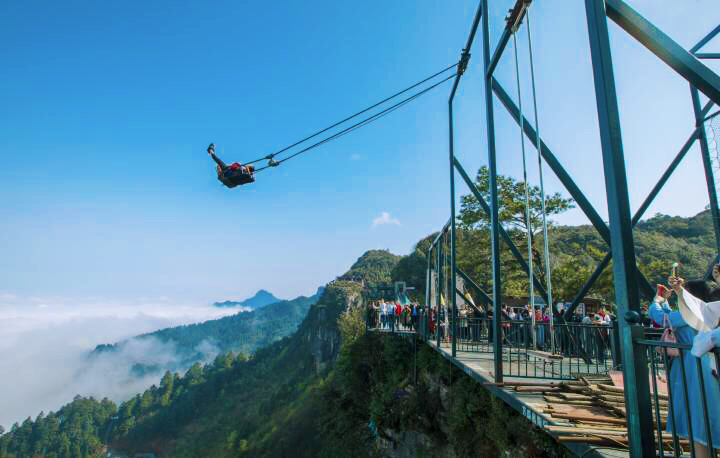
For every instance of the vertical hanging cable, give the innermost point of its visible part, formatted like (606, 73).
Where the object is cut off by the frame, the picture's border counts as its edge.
(531, 287)
(548, 271)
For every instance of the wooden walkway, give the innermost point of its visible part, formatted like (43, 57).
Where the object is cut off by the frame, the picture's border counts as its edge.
(532, 405)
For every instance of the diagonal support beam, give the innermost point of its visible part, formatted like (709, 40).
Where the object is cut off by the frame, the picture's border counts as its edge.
(486, 208)
(554, 164)
(636, 218)
(711, 116)
(654, 39)
(706, 108)
(484, 298)
(457, 291)
(564, 178)
(440, 234)
(705, 40)
(504, 38)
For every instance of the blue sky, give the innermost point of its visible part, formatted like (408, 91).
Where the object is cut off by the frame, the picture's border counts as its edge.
(106, 109)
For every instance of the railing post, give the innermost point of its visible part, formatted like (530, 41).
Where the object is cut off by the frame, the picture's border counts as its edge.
(428, 276)
(615, 342)
(494, 217)
(636, 381)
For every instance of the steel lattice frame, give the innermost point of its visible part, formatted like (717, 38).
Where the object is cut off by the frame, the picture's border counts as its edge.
(629, 281)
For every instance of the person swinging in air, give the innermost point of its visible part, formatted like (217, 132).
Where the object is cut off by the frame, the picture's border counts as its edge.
(233, 175)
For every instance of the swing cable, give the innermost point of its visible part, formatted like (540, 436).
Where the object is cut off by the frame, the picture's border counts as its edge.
(531, 272)
(548, 272)
(360, 124)
(272, 155)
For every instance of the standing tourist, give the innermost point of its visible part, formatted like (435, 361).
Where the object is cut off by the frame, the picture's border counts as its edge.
(683, 419)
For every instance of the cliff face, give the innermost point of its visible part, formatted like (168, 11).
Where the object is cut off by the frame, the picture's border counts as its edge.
(393, 396)
(320, 328)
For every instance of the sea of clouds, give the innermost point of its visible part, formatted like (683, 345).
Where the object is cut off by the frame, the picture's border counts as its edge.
(45, 342)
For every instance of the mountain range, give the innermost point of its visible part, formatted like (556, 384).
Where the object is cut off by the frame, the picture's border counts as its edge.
(243, 332)
(326, 387)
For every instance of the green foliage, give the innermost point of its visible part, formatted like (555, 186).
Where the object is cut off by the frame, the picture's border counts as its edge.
(412, 268)
(575, 251)
(511, 204)
(378, 382)
(659, 241)
(73, 431)
(373, 267)
(515, 218)
(265, 405)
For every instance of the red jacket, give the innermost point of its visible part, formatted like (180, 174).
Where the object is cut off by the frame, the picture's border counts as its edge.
(398, 309)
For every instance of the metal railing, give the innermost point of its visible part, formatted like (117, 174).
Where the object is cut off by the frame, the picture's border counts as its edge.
(390, 322)
(581, 349)
(685, 399)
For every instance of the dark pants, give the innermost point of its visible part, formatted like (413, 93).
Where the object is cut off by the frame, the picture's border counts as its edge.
(219, 162)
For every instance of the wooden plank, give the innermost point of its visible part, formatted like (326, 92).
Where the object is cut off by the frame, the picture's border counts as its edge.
(593, 418)
(537, 389)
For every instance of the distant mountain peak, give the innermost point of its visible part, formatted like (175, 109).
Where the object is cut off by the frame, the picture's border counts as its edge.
(264, 294)
(260, 299)
(374, 266)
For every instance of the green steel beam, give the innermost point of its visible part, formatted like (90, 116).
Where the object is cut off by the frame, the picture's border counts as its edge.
(453, 230)
(484, 298)
(494, 217)
(637, 389)
(705, 39)
(654, 39)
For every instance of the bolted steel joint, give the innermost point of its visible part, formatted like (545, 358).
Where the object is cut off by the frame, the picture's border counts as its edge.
(464, 59)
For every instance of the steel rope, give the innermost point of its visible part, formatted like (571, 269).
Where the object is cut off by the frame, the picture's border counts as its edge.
(270, 156)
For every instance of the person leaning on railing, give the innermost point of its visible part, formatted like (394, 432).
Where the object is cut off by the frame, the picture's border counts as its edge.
(660, 312)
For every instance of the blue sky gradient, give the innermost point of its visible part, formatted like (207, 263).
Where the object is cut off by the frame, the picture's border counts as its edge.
(106, 109)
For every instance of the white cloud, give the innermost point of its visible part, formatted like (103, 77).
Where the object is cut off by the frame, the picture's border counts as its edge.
(356, 157)
(44, 345)
(383, 219)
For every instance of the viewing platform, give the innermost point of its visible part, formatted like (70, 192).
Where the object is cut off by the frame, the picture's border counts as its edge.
(533, 405)
(575, 394)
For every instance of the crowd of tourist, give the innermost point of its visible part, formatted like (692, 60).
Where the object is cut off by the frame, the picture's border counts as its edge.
(392, 316)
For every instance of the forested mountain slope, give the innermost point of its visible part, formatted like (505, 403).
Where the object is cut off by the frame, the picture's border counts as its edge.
(243, 333)
(330, 390)
(575, 252)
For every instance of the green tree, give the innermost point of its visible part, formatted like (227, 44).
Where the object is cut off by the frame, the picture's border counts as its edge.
(194, 375)
(513, 216)
(511, 204)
